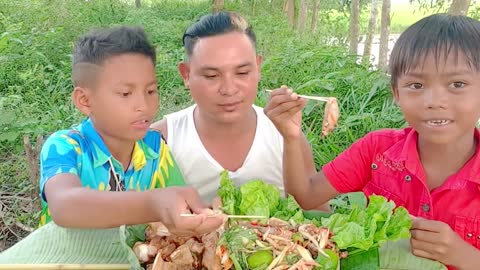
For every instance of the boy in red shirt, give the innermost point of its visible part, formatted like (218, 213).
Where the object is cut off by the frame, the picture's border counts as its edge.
(432, 167)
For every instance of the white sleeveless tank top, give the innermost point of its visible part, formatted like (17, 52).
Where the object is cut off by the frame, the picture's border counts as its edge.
(202, 171)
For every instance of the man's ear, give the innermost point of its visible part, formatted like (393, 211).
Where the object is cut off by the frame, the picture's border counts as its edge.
(259, 66)
(184, 69)
(81, 98)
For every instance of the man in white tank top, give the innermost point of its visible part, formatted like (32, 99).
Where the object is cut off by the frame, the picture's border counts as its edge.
(224, 130)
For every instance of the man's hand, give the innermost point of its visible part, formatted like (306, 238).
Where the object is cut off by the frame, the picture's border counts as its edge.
(284, 109)
(170, 203)
(435, 240)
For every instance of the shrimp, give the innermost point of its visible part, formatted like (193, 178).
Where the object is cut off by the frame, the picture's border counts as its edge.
(331, 116)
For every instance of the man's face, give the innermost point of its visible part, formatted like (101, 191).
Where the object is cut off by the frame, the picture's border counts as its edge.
(223, 74)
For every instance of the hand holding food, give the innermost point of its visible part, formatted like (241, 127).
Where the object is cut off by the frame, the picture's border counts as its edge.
(284, 109)
(170, 203)
(435, 240)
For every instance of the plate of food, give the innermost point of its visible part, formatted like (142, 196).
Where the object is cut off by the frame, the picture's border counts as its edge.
(283, 236)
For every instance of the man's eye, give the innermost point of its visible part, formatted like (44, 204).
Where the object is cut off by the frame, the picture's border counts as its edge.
(210, 76)
(243, 73)
(124, 94)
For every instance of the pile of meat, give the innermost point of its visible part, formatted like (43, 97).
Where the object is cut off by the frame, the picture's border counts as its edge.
(163, 251)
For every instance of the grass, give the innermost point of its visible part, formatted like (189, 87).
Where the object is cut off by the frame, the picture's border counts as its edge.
(35, 85)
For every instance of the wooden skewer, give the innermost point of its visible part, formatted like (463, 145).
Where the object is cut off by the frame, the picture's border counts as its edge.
(228, 216)
(324, 99)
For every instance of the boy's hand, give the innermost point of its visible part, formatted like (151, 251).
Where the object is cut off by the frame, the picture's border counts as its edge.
(284, 109)
(170, 203)
(435, 240)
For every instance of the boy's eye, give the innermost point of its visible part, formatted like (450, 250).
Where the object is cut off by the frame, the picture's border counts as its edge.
(415, 86)
(124, 94)
(457, 85)
(152, 91)
(243, 73)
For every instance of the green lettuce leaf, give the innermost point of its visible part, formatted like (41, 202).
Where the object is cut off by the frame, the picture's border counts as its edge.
(227, 193)
(135, 233)
(399, 226)
(369, 228)
(259, 198)
(288, 209)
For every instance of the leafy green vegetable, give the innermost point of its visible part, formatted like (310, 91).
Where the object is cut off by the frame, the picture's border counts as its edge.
(135, 233)
(259, 198)
(227, 192)
(237, 240)
(364, 229)
(289, 209)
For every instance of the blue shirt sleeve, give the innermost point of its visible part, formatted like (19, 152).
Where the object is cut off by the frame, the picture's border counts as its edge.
(59, 155)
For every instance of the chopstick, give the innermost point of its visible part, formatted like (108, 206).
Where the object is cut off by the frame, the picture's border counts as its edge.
(325, 99)
(228, 216)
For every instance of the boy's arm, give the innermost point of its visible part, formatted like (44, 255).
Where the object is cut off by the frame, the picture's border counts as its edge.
(310, 189)
(74, 206)
(347, 173)
(300, 177)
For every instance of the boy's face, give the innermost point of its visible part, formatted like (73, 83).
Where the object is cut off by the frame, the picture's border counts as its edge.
(124, 99)
(440, 99)
(223, 74)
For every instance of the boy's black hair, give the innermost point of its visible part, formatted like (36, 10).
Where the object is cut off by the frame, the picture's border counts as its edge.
(216, 24)
(440, 35)
(97, 46)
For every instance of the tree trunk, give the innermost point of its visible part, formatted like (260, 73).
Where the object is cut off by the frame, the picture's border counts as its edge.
(354, 25)
(218, 5)
(138, 3)
(384, 34)
(459, 7)
(372, 26)
(291, 12)
(302, 16)
(316, 4)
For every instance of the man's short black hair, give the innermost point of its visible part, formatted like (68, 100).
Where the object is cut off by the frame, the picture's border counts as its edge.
(99, 45)
(439, 35)
(216, 24)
